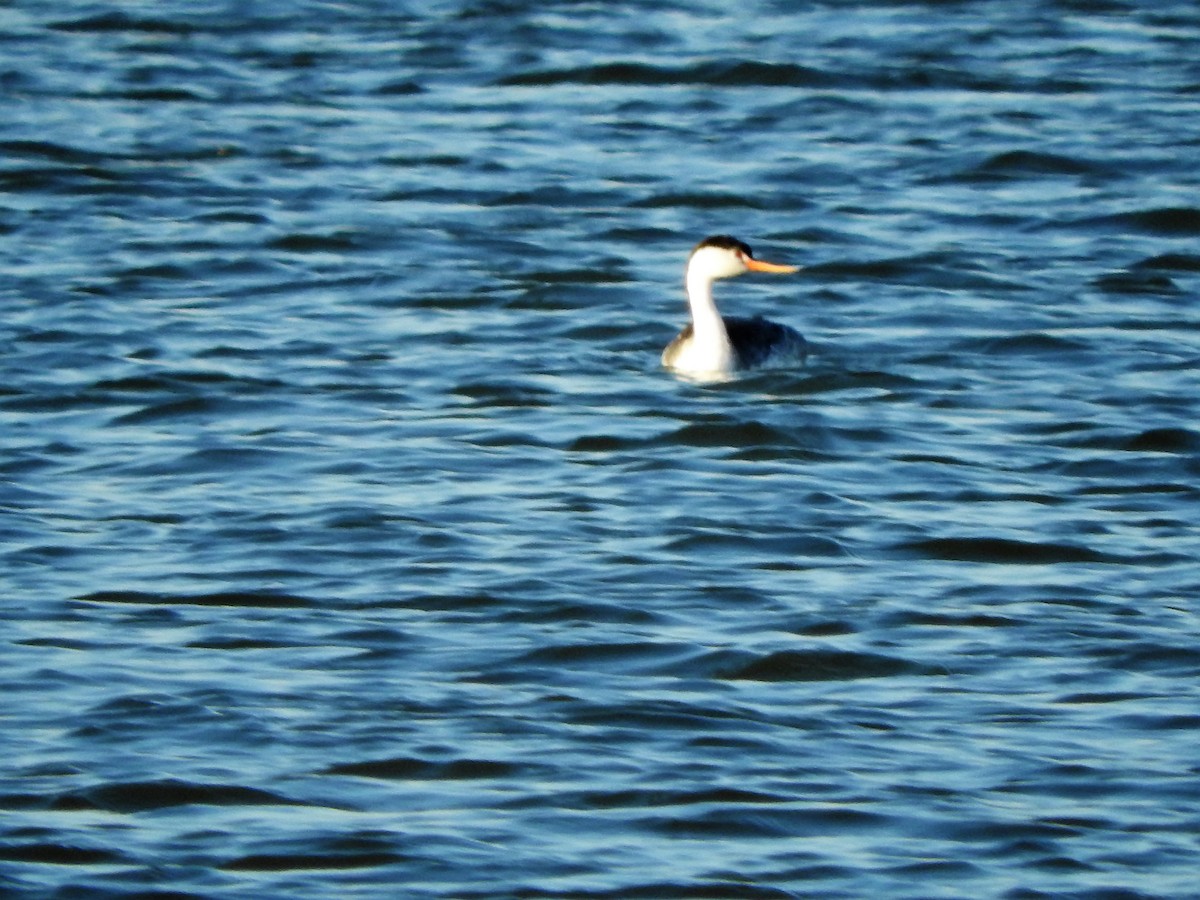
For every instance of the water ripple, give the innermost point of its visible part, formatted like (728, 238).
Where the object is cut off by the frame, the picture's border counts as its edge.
(354, 542)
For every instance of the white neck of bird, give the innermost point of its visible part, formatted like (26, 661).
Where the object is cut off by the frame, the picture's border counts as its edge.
(708, 328)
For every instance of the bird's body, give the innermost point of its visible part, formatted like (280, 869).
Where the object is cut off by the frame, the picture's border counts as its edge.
(713, 346)
(755, 342)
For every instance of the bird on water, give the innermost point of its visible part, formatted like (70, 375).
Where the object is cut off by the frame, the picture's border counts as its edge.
(712, 345)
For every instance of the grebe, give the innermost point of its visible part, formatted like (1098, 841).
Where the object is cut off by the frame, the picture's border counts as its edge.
(714, 346)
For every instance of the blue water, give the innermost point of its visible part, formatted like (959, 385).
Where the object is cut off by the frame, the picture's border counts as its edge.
(356, 545)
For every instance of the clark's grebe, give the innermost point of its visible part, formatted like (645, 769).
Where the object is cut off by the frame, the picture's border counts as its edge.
(713, 346)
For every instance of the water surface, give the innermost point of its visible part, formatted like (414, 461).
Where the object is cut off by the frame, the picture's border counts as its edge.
(356, 545)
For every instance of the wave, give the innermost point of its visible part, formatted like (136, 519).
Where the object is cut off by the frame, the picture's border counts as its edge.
(250, 599)
(753, 73)
(145, 796)
(1004, 551)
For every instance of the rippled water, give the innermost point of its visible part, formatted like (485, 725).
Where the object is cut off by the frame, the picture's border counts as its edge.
(356, 545)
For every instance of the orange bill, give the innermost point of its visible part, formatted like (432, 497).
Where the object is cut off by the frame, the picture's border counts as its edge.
(757, 265)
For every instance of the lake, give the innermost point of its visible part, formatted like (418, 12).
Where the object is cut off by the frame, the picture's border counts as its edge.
(356, 543)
